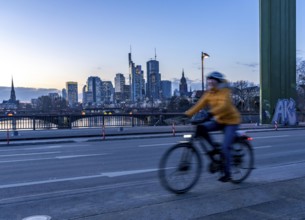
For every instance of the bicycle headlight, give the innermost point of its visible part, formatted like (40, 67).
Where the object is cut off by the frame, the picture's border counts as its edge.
(187, 136)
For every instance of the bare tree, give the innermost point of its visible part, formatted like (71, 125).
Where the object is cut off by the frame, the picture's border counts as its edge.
(300, 70)
(245, 95)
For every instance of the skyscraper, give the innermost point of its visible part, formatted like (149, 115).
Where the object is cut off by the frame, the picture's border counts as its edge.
(136, 81)
(72, 90)
(119, 83)
(107, 92)
(166, 89)
(153, 87)
(64, 93)
(94, 86)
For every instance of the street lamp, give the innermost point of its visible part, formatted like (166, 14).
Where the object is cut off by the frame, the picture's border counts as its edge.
(203, 55)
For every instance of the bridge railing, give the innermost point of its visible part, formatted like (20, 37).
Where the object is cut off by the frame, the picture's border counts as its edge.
(39, 122)
(70, 121)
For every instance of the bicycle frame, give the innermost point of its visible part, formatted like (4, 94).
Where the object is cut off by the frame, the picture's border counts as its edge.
(189, 138)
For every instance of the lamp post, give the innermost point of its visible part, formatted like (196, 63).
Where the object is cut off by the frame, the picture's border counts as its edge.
(203, 55)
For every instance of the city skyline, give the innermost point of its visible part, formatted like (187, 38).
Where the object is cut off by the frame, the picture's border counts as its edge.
(46, 44)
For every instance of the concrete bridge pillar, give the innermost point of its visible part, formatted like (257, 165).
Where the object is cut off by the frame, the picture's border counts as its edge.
(277, 54)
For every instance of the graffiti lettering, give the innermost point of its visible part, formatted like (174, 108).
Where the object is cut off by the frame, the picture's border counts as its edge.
(285, 112)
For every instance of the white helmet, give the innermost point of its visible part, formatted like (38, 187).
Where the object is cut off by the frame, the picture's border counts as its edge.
(217, 76)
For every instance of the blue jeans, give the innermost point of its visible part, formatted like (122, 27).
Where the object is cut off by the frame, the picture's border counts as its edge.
(229, 135)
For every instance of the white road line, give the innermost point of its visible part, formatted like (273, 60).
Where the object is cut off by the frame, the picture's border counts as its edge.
(51, 158)
(129, 172)
(33, 148)
(75, 156)
(30, 154)
(154, 145)
(44, 147)
(109, 174)
(277, 136)
(260, 147)
(25, 160)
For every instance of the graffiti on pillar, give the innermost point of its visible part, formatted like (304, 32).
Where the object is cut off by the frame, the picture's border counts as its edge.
(285, 112)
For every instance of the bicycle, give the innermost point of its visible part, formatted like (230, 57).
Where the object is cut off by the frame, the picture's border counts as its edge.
(180, 166)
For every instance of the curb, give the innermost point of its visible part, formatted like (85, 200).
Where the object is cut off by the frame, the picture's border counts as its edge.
(113, 137)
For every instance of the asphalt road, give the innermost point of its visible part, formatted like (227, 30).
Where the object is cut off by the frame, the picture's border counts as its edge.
(117, 179)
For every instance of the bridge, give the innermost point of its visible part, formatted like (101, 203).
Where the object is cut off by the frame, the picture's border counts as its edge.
(91, 178)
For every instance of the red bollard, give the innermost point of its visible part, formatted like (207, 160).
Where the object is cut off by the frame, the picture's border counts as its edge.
(174, 130)
(275, 125)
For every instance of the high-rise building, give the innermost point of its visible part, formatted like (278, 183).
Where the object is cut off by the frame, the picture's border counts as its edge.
(153, 87)
(107, 92)
(126, 93)
(64, 93)
(87, 96)
(72, 92)
(136, 81)
(119, 83)
(166, 89)
(94, 85)
(183, 85)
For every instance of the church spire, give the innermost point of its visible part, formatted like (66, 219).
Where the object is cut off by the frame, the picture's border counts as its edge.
(13, 94)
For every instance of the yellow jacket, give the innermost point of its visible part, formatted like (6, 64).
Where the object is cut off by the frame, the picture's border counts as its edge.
(218, 100)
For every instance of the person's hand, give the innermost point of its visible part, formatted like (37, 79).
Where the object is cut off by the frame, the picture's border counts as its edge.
(209, 115)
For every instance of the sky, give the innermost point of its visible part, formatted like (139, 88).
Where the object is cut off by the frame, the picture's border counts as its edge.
(44, 44)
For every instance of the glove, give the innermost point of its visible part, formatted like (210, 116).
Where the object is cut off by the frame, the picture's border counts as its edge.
(209, 115)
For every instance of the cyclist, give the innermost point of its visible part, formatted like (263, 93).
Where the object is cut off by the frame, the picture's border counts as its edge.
(224, 116)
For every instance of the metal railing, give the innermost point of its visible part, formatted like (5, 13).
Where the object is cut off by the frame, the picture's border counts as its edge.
(39, 122)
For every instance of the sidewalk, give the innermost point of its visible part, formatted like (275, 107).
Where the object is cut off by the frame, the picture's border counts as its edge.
(110, 133)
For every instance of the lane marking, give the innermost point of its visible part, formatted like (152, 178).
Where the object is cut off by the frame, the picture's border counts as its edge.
(25, 160)
(75, 156)
(51, 158)
(260, 147)
(154, 145)
(129, 172)
(33, 148)
(278, 136)
(45, 147)
(29, 154)
(108, 174)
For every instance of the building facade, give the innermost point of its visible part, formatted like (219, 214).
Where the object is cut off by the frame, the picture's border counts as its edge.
(119, 83)
(153, 86)
(166, 89)
(107, 92)
(94, 86)
(72, 93)
(136, 81)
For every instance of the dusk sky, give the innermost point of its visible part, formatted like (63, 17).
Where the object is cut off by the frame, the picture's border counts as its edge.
(45, 43)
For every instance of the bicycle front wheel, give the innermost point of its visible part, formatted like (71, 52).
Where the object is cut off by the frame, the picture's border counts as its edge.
(242, 161)
(180, 168)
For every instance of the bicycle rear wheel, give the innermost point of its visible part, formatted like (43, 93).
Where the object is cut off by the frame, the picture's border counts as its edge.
(180, 168)
(242, 161)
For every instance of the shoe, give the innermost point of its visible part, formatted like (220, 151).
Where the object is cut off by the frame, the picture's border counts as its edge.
(225, 179)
